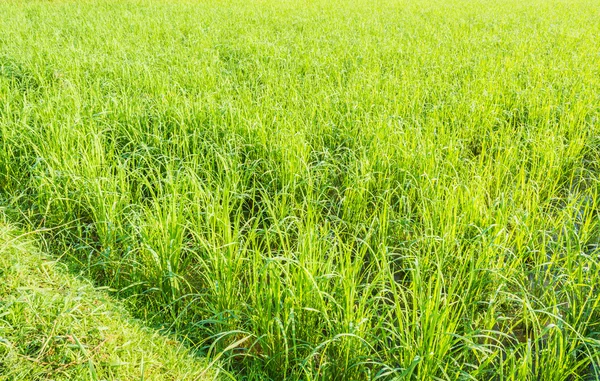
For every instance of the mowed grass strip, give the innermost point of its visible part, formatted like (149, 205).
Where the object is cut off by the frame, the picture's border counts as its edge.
(54, 326)
(321, 190)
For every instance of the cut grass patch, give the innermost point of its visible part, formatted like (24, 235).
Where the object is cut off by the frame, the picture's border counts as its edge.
(56, 327)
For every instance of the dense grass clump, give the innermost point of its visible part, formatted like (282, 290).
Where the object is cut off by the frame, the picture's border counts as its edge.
(321, 190)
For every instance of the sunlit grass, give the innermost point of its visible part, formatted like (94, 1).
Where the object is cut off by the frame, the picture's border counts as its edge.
(54, 326)
(331, 190)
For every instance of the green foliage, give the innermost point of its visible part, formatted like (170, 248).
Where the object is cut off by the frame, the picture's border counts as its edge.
(325, 190)
(53, 326)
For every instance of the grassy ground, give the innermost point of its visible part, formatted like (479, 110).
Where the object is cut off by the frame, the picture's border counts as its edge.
(56, 327)
(338, 190)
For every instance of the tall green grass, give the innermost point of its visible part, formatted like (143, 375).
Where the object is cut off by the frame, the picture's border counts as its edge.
(321, 190)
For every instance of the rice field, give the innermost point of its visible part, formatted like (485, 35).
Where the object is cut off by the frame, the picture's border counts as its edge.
(320, 190)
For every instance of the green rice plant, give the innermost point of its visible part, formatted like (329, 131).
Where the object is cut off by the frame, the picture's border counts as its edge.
(333, 190)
